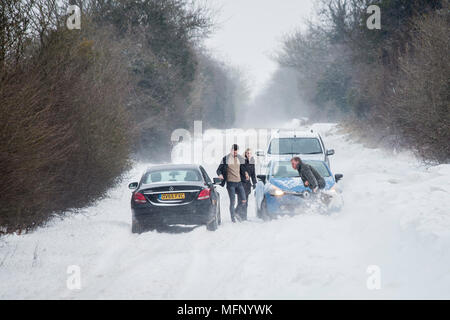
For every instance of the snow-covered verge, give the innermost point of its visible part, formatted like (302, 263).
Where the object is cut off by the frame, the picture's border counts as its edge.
(396, 216)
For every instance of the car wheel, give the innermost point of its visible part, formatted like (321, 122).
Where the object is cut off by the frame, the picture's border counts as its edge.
(258, 212)
(214, 223)
(136, 227)
(219, 220)
(263, 211)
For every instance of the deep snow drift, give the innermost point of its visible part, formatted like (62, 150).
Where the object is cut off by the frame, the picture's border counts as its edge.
(396, 216)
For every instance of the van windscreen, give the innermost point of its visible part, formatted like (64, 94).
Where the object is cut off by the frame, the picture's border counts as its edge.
(295, 146)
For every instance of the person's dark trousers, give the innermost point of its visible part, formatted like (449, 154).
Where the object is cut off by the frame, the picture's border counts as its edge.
(248, 190)
(234, 188)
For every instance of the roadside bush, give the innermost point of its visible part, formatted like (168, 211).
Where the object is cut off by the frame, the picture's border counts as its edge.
(65, 131)
(420, 99)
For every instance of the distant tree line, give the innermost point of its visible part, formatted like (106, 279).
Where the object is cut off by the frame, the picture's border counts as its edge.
(77, 105)
(390, 84)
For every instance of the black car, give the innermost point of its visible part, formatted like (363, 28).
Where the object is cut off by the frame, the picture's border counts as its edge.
(174, 194)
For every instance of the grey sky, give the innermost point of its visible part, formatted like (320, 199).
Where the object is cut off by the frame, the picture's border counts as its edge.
(250, 30)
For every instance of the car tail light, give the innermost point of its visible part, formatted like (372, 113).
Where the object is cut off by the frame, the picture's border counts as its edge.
(139, 198)
(204, 194)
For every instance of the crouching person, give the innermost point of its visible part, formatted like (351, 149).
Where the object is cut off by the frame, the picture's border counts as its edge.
(310, 177)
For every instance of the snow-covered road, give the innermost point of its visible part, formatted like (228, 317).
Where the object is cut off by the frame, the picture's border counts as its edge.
(396, 217)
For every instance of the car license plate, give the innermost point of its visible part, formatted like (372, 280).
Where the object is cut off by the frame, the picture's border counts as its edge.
(172, 196)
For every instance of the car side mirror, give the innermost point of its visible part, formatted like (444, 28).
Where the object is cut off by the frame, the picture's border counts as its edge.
(260, 153)
(338, 177)
(217, 180)
(330, 152)
(133, 185)
(262, 177)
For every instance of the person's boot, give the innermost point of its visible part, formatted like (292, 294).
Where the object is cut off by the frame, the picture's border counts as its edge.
(238, 213)
(244, 211)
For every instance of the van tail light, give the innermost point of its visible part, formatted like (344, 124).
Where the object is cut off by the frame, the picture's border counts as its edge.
(204, 194)
(139, 198)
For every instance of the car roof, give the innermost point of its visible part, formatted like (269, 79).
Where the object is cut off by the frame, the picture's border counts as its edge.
(292, 133)
(172, 167)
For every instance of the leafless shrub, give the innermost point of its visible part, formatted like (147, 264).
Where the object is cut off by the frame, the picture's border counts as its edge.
(65, 130)
(420, 99)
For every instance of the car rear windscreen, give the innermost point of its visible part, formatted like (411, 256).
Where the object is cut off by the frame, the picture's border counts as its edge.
(295, 146)
(172, 176)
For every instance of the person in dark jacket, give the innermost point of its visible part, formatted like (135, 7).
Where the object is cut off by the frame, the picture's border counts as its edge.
(251, 182)
(233, 171)
(310, 177)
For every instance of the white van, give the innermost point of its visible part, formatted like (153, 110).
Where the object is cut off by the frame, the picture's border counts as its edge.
(286, 144)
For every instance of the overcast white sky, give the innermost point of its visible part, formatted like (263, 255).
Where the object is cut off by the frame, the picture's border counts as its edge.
(249, 31)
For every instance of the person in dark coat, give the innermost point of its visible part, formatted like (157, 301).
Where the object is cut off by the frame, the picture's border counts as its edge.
(251, 182)
(233, 171)
(310, 177)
